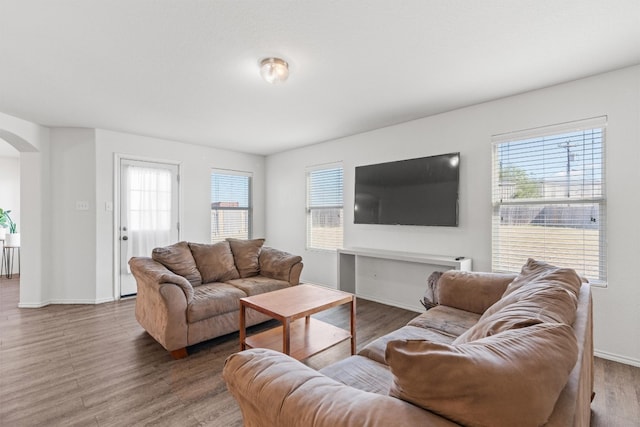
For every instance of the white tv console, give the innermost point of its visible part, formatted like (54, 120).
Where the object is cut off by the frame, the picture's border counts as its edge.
(391, 277)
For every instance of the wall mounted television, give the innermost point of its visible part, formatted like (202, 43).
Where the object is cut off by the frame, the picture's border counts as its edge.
(422, 191)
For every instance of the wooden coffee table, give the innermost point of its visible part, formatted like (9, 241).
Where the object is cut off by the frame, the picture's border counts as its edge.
(300, 335)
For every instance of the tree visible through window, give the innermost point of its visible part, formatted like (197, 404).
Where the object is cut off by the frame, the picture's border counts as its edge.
(549, 198)
(230, 205)
(325, 208)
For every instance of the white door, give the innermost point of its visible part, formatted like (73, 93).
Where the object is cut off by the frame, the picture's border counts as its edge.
(148, 213)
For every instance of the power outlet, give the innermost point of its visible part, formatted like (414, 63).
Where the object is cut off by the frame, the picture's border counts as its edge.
(82, 205)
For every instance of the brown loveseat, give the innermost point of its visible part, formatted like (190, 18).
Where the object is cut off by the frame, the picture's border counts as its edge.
(190, 292)
(497, 350)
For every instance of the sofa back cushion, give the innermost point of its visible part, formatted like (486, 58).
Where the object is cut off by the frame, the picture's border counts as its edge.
(471, 291)
(534, 270)
(245, 255)
(215, 262)
(512, 378)
(541, 293)
(178, 259)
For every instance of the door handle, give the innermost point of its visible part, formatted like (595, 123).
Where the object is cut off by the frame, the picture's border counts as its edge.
(125, 238)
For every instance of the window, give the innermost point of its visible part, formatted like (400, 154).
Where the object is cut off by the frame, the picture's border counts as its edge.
(324, 207)
(230, 205)
(549, 198)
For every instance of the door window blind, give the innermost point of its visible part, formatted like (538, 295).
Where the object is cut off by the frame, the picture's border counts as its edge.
(549, 198)
(230, 205)
(325, 208)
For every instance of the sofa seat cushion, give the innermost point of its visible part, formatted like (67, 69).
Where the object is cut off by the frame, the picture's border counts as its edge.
(212, 299)
(376, 349)
(361, 373)
(178, 259)
(448, 320)
(245, 254)
(258, 285)
(510, 379)
(215, 262)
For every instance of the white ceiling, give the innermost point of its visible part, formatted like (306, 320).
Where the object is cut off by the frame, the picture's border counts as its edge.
(188, 70)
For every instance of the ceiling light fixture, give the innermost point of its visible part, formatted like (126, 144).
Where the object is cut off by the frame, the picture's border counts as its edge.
(274, 70)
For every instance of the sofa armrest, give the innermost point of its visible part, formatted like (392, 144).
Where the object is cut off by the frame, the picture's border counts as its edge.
(161, 303)
(280, 265)
(276, 390)
(471, 291)
(149, 272)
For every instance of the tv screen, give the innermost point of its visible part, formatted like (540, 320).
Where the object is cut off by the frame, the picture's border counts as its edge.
(421, 191)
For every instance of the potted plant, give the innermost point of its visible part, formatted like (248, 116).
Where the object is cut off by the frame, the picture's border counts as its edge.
(13, 238)
(4, 224)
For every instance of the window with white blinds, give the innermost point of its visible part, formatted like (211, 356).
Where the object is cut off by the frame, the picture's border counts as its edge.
(324, 207)
(549, 198)
(230, 205)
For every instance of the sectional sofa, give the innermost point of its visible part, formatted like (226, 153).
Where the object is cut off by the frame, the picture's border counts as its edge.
(495, 350)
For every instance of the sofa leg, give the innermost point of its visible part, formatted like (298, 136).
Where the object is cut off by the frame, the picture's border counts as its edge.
(180, 353)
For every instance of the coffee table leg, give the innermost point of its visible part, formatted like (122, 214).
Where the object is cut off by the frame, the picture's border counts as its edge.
(243, 333)
(353, 325)
(286, 336)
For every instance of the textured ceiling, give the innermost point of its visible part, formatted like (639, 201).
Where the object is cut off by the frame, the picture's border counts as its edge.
(188, 70)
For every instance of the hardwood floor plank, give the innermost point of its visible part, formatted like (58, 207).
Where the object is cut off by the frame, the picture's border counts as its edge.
(93, 365)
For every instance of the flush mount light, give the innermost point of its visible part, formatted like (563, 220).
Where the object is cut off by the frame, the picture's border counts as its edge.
(274, 70)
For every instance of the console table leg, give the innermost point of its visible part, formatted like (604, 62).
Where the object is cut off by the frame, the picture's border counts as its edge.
(353, 325)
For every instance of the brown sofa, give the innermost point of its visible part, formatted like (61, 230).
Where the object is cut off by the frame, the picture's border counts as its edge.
(190, 292)
(496, 350)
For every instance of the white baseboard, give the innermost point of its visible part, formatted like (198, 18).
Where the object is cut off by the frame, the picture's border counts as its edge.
(33, 304)
(76, 301)
(324, 285)
(617, 358)
(63, 301)
(416, 308)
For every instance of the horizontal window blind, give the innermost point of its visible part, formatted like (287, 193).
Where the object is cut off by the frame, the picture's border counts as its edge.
(549, 199)
(230, 206)
(325, 208)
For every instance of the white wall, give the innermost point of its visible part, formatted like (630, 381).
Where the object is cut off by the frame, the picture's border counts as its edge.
(73, 232)
(469, 130)
(195, 162)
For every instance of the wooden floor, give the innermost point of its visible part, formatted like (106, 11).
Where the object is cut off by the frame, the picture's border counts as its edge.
(93, 365)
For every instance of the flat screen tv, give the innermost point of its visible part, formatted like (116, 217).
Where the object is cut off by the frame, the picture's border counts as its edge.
(421, 191)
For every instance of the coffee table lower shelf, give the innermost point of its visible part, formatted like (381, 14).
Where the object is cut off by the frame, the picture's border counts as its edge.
(306, 337)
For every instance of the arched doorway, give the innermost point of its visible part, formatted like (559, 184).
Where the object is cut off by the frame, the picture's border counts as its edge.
(32, 143)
